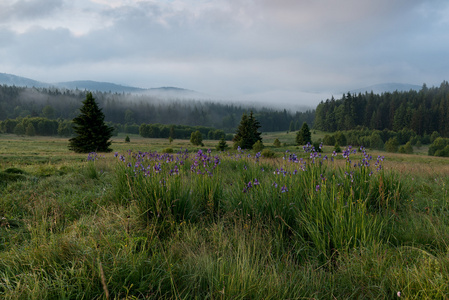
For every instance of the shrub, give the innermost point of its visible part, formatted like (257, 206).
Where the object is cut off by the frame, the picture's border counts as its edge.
(222, 145)
(317, 145)
(438, 147)
(408, 148)
(167, 150)
(329, 140)
(392, 145)
(267, 153)
(376, 141)
(258, 146)
(337, 148)
(196, 138)
(277, 143)
(434, 136)
(340, 138)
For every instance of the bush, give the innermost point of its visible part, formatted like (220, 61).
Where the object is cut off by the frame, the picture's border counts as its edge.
(196, 138)
(329, 140)
(434, 136)
(267, 153)
(340, 138)
(277, 143)
(222, 145)
(392, 145)
(337, 148)
(317, 146)
(438, 146)
(167, 150)
(408, 148)
(258, 146)
(376, 141)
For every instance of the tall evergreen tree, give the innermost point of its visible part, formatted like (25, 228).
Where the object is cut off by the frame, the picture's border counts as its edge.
(304, 136)
(92, 134)
(247, 132)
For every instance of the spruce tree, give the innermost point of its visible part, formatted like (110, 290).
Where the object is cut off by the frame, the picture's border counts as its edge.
(92, 134)
(247, 132)
(303, 136)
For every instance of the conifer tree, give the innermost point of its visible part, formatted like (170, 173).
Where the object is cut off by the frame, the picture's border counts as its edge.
(247, 132)
(304, 136)
(92, 134)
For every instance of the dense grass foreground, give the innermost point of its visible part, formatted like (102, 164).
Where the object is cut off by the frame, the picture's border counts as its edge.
(222, 225)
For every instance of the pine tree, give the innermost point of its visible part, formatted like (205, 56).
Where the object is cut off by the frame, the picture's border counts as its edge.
(222, 145)
(303, 136)
(247, 132)
(92, 134)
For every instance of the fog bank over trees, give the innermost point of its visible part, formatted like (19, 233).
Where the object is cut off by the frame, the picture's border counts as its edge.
(121, 108)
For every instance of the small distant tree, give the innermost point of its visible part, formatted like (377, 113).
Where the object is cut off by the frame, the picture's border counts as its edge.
(30, 131)
(170, 140)
(291, 127)
(337, 148)
(172, 133)
(258, 146)
(48, 112)
(277, 143)
(408, 148)
(127, 140)
(92, 134)
(222, 145)
(247, 132)
(303, 136)
(196, 138)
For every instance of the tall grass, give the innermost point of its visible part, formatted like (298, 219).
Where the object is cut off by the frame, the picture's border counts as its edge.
(232, 225)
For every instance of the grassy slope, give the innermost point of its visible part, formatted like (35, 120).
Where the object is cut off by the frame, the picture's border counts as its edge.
(63, 234)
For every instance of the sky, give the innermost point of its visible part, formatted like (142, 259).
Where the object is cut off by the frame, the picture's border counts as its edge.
(297, 51)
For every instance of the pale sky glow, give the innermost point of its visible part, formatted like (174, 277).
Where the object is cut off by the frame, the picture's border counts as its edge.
(297, 50)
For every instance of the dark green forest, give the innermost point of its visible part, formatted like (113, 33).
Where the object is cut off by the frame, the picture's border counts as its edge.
(423, 112)
(130, 110)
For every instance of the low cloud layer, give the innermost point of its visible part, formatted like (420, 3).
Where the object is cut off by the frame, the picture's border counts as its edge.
(228, 48)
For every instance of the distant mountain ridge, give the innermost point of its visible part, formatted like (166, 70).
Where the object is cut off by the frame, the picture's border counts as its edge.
(10, 79)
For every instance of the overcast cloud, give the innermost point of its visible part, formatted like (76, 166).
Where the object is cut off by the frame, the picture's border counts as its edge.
(297, 50)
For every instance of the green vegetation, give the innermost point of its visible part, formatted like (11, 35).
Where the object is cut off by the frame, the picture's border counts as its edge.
(92, 134)
(248, 133)
(422, 112)
(181, 222)
(126, 112)
(303, 136)
(196, 138)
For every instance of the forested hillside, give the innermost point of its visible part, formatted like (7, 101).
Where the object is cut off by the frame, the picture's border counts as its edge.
(423, 111)
(16, 102)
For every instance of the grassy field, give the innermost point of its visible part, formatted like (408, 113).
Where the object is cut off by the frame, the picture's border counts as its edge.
(140, 224)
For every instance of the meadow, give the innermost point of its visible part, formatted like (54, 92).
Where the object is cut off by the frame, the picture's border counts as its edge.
(145, 222)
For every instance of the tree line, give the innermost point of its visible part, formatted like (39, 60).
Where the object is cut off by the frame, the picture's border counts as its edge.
(133, 110)
(423, 111)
